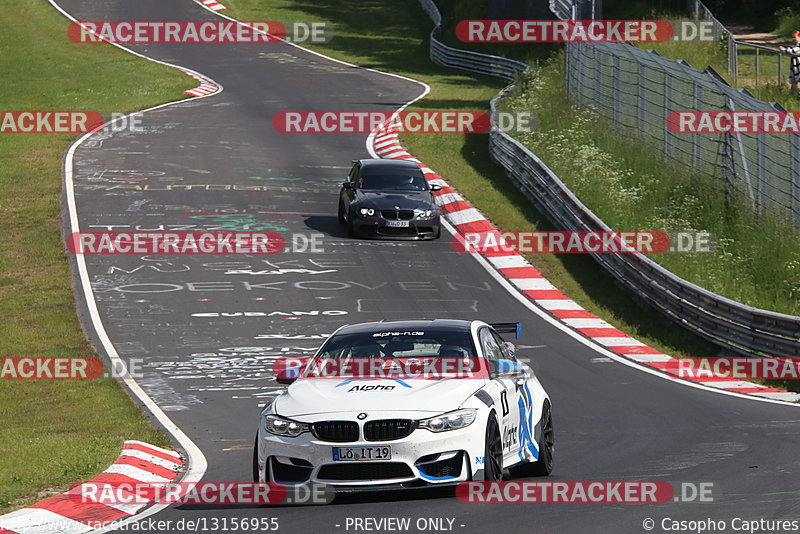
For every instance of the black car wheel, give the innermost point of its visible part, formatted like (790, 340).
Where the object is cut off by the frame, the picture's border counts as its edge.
(544, 465)
(255, 460)
(493, 451)
(342, 219)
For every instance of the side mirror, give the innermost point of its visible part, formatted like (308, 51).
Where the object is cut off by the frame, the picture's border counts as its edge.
(436, 187)
(286, 377)
(348, 185)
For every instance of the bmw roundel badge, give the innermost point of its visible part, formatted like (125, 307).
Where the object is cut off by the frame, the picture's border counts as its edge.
(362, 416)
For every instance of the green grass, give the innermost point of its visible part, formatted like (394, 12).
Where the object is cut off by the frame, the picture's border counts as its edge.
(54, 433)
(463, 160)
(631, 187)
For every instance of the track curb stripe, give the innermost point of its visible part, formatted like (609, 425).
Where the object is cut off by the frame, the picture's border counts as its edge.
(213, 5)
(138, 463)
(526, 278)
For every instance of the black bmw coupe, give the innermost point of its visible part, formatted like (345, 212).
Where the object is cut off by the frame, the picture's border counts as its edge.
(389, 198)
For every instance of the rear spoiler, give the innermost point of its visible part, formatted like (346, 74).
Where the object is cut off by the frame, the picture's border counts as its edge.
(505, 328)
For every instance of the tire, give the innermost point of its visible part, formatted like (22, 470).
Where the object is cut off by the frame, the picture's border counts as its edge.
(342, 220)
(255, 460)
(351, 231)
(438, 232)
(544, 465)
(493, 451)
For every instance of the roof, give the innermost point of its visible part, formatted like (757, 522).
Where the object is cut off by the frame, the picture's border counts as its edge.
(389, 163)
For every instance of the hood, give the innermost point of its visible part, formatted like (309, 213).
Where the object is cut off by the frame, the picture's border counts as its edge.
(408, 200)
(329, 395)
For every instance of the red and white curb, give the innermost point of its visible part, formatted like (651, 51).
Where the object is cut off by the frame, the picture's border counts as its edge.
(138, 464)
(207, 87)
(213, 5)
(530, 282)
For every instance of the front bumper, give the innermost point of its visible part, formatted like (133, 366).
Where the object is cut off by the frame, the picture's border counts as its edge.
(423, 458)
(379, 227)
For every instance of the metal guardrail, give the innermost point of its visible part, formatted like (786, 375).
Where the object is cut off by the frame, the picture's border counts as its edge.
(475, 62)
(726, 323)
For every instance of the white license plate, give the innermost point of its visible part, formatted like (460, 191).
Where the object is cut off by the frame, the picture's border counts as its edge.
(361, 454)
(398, 224)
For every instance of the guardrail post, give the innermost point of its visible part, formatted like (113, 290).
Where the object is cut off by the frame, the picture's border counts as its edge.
(641, 100)
(579, 73)
(616, 88)
(762, 167)
(698, 105)
(598, 70)
(667, 111)
(757, 67)
(795, 189)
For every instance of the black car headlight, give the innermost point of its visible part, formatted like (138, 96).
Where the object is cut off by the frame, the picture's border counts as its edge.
(449, 421)
(425, 214)
(280, 426)
(366, 212)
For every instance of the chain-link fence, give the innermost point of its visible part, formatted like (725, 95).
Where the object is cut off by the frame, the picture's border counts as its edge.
(732, 325)
(638, 89)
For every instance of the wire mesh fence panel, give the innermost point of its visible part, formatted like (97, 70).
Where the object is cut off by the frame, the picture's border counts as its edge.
(744, 162)
(638, 89)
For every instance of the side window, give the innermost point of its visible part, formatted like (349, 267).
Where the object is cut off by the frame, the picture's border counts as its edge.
(354, 173)
(490, 347)
(501, 361)
(506, 354)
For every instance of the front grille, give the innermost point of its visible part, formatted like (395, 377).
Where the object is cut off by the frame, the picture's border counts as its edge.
(388, 429)
(365, 471)
(336, 431)
(443, 468)
(398, 215)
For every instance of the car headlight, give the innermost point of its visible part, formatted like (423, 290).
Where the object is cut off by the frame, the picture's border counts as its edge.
(284, 427)
(368, 212)
(450, 420)
(423, 213)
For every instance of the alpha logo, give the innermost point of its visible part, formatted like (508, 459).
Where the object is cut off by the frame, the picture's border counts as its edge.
(366, 387)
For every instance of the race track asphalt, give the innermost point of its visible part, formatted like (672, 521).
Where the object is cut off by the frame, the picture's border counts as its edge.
(217, 163)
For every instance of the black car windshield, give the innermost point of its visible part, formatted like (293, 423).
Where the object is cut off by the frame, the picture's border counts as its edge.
(397, 182)
(401, 346)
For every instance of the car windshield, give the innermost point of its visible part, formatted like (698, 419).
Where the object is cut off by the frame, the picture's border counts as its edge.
(393, 181)
(442, 350)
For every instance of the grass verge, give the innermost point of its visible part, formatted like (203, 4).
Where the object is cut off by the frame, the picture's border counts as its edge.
(630, 187)
(56, 432)
(394, 37)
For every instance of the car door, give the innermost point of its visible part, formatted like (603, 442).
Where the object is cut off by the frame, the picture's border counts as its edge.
(510, 404)
(349, 193)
